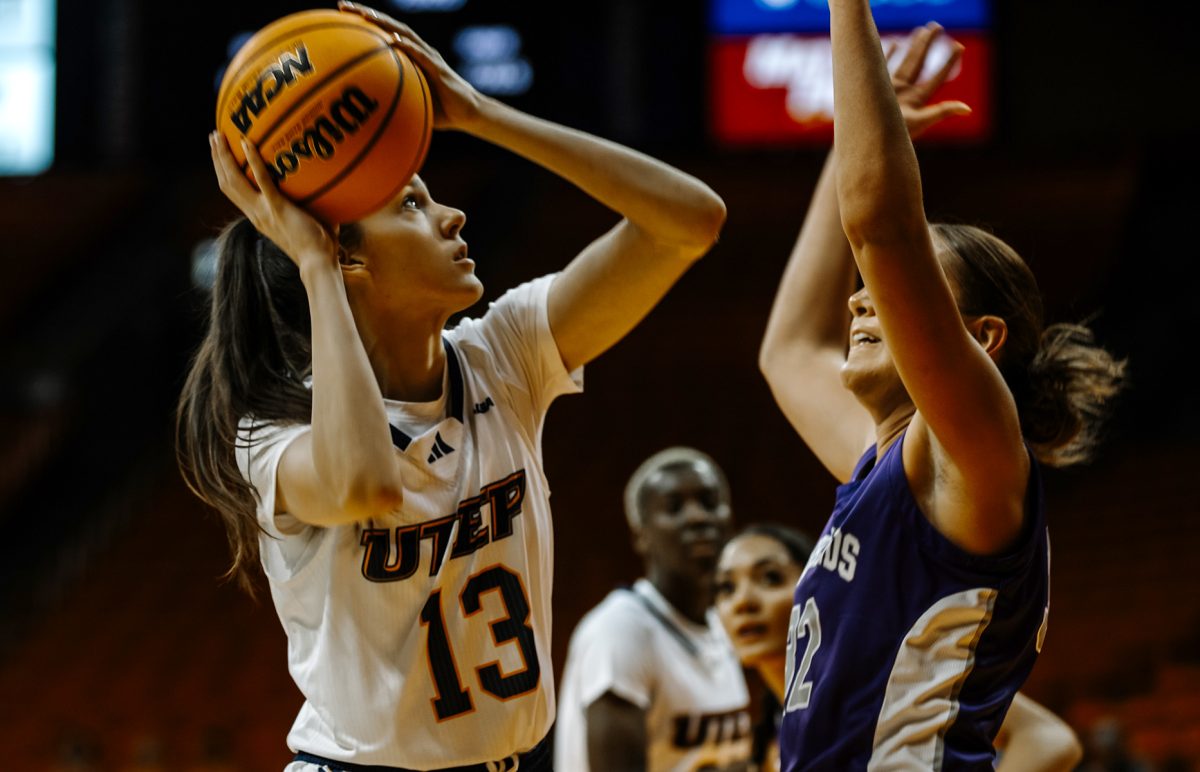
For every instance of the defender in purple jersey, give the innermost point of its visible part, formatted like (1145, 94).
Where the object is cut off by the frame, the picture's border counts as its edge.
(924, 604)
(756, 576)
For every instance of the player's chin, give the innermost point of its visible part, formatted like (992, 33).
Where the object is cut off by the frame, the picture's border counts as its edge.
(704, 562)
(755, 652)
(855, 374)
(865, 379)
(467, 290)
(705, 571)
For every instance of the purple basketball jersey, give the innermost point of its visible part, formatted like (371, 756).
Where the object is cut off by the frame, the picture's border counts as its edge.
(905, 651)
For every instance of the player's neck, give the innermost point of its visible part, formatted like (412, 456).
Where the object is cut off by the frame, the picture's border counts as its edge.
(889, 428)
(410, 361)
(690, 598)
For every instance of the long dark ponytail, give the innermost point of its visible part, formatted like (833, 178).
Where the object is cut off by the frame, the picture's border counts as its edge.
(1062, 381)
(253, 362)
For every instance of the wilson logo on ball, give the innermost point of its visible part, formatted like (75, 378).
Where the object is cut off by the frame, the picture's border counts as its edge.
(321, 138)
(282, 72)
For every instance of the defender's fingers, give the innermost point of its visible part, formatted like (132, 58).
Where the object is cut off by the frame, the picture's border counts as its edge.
(943, 110)
(914, 59)
(927, 116)
(945, 71)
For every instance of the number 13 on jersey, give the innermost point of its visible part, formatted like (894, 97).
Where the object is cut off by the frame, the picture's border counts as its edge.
(804, 626)
(453, 698)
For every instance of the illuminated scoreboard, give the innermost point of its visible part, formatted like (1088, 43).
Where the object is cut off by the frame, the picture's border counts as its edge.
(771, 70)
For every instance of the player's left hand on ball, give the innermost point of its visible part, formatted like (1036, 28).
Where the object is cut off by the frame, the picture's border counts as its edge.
(456, 102)
(300, 235)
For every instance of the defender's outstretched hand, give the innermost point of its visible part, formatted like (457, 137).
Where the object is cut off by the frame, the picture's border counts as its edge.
(912, 93)
(456, 102)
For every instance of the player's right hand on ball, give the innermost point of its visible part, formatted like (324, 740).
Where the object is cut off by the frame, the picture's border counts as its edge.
(305, 240)
(456, 102)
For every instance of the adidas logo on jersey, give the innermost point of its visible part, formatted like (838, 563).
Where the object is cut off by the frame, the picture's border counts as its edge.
(483, 407)
(440, 449)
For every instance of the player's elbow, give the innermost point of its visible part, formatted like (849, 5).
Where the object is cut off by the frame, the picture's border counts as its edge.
(1047, 746)
(711, 219)
(781, 358)
(770, 351)
(713, 216)
(1073, 757)
(1063, 749)
(703, 220)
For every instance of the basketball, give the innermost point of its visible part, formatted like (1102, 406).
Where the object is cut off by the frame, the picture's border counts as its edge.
(340, 117)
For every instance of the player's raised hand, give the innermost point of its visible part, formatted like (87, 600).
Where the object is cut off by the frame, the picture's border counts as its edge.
(456, 102)
(912, 93)
(295, 231)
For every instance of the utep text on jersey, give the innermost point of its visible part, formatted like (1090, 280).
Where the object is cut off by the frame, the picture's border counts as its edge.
(502, 500)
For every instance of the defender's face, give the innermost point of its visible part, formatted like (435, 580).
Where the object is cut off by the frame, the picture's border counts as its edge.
(685, 518)
(756, 578)
(415, 255)
(869, 372)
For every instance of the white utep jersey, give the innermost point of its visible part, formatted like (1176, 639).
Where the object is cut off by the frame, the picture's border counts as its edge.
(685, 676)
(423, 640)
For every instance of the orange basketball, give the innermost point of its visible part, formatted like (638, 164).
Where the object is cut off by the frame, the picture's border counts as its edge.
(341, 118)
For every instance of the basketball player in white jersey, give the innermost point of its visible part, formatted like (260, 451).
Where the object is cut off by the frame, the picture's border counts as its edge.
(652, 682)
(387, 472)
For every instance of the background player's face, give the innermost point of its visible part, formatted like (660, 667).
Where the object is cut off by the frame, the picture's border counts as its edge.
(756, 578)
(685, 519)
(413, 257)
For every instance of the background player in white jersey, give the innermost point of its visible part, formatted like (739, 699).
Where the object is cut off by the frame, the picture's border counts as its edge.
(651, 681)
(386, 472)
(756, 574)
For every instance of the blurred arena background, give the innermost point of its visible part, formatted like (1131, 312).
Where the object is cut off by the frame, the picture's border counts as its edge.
(119, 647)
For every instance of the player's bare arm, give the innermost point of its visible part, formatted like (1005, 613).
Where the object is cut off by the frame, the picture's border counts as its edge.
(965, 446)
(1032, 739)
(345, 468)
(616, 736)
(804, 346)
(805, 343)
(670, 220)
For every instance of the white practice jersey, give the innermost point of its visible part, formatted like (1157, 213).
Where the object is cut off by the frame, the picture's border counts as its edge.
(423, 640)
(685, 676)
